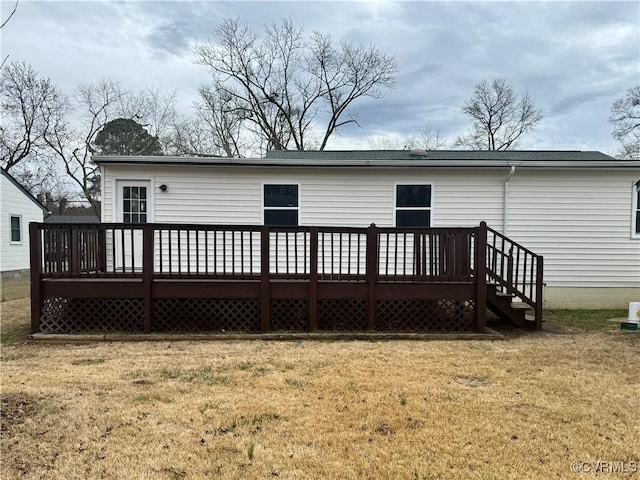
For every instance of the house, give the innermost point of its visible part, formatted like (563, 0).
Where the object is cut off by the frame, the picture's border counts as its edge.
(580, 210)
(17, 208)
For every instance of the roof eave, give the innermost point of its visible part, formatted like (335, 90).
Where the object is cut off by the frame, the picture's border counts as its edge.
(26, 192)
(417, 163)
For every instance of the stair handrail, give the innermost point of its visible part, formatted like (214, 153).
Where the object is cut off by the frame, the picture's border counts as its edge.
(515, 270)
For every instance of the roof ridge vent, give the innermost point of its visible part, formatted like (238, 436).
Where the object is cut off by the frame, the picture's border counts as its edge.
(417, 152)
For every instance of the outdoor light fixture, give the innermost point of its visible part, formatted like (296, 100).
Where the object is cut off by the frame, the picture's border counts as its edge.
(163, 187)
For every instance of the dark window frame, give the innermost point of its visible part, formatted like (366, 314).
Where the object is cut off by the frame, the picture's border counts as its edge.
(13, 229)
(410, 207)
(635, 213)
(271, 210)
(275, 207)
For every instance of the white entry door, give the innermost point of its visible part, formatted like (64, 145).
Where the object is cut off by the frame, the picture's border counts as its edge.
(133, 207)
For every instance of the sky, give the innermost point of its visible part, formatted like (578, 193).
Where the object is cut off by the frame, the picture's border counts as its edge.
(573, 58)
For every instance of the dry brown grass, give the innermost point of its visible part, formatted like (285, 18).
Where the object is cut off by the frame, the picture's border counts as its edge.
(521, 408)
(14, 288)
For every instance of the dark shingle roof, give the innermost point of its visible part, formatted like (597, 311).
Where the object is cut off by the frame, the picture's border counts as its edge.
(72, 219)
(408, 155)
(395, 159)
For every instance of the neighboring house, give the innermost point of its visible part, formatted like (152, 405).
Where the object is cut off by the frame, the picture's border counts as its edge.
(17, 209)
(580, 210)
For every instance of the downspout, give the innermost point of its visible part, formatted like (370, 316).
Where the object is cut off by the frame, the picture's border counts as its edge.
(505, 202)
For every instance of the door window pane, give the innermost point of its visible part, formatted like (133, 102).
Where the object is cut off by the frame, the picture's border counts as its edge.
(134, 203)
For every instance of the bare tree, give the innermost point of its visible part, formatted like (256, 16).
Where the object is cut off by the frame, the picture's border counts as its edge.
(30, 106)
(42, 177)
(188, 136)
(426, 138)
(500, 117)
(625, 118)
(100, 103)
(289, 86)
(223, 119)
(96, 105)
(386, 142)
(4, 22)
(155, 109)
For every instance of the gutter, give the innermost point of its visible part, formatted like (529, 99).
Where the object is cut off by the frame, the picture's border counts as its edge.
(362, 163)
(505, 201)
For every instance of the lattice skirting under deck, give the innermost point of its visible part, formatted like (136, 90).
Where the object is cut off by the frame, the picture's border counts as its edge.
(206, 315)
(443, 315)
(73, 315)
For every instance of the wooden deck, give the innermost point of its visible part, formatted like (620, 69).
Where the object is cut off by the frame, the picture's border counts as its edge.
(220, 278)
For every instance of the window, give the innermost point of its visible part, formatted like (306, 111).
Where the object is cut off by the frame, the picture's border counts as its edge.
(281, 204)
(635, 220)
(413, 205)
(134, 204)
(16, 229)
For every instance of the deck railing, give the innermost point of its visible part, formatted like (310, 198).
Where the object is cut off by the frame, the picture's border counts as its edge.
(245, 252)
(369, 258)
(515, 270)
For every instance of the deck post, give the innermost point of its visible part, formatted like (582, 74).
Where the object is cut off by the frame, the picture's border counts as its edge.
(35, 253)
(539, 294)
(147, 274)
(313, 279)
(265, 293)
(481, 276)
(372, 274)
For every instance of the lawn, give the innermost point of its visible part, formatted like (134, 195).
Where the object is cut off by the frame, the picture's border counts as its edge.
(524, 407)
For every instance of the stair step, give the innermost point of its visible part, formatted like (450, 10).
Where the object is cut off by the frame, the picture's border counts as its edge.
(503, 295)
(509, 308)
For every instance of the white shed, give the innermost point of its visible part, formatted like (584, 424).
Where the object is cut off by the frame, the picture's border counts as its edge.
(580, 210)
(17, 209)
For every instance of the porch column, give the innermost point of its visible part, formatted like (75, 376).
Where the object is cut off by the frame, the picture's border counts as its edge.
(313, 279)
(372, 274)
(35, 253)
(480, 251)
(265, 291)
(147, 273)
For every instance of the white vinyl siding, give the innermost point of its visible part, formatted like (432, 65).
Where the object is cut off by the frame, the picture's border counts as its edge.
(14, 203)
(578, 219)
(338, 197)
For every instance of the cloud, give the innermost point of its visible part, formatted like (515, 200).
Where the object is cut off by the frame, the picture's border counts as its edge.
(574, 58)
